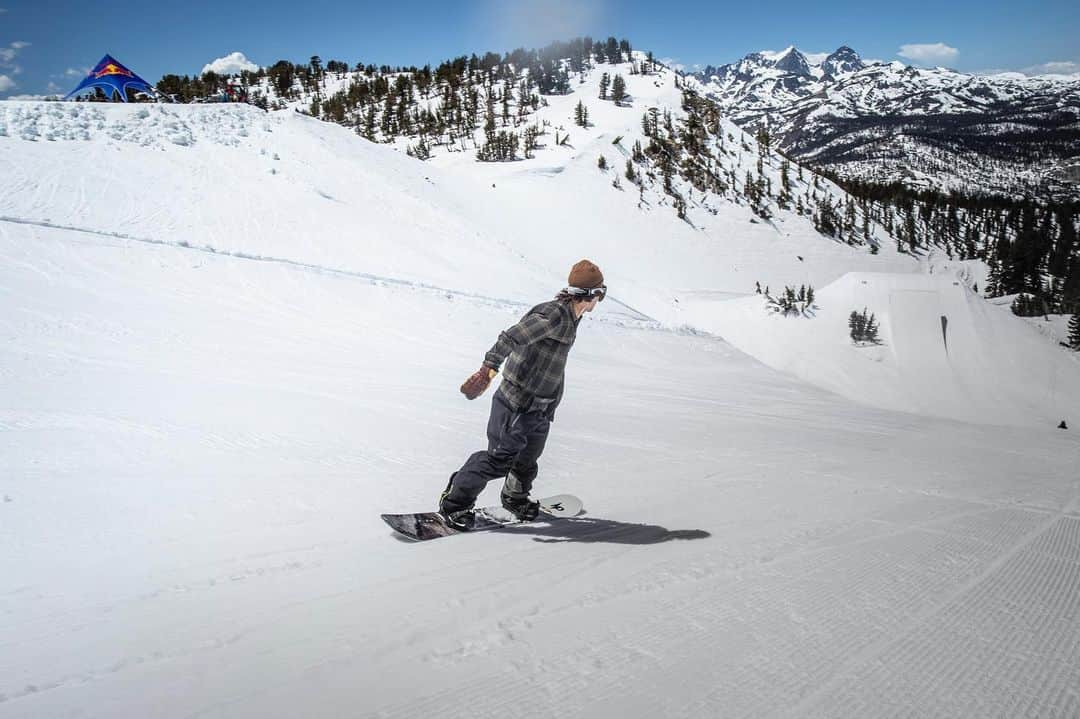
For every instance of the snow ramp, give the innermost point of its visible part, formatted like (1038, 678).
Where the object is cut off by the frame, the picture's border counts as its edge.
(934, 345)
(944, 351)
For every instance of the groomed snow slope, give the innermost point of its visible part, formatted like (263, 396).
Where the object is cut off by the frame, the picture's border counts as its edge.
(195, 447)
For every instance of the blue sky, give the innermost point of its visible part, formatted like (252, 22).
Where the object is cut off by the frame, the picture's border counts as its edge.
(48, 46)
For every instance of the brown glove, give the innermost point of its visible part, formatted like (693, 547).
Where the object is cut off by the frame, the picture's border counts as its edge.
(478, 382)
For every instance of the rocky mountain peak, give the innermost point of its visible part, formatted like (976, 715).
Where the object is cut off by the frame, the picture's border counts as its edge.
(842, 61)
(794, 62)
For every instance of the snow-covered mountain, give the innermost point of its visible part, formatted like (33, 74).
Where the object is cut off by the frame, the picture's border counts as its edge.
(232, 338)
(926, 127)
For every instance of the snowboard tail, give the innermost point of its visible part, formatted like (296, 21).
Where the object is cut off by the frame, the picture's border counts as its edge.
(422, 526)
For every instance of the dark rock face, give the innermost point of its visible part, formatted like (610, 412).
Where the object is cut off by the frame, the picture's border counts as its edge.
(794, 62)
(842, 62)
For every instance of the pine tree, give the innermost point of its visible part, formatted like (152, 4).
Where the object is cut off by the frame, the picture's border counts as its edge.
(531, 133)
(369, 123)
(1074, 332)
(826, 220)
(1070, 292)
(863, 327)
(611, 50)
(506, 94)
(489, 114)
(618, 89)
(581, 115)
(909, 228)
(316, 71)
(763, 139)
(1063, 248)
(605, 81)
(856, 324)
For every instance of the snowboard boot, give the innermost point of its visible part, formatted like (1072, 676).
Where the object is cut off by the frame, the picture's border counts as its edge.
(460, 519)
(525, 509)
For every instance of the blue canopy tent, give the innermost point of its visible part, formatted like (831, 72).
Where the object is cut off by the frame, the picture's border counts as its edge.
(112, 77)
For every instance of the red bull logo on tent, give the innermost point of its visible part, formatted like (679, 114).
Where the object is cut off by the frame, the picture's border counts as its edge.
(112, 68)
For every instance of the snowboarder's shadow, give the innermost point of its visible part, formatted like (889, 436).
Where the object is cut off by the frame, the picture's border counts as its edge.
(593, 529)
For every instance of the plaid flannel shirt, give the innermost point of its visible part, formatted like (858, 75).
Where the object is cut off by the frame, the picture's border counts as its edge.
(535, 350)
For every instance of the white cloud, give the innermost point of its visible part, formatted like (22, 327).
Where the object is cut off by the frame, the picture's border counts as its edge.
(6, 83)
(76, 72)
(1067, 67)
(936, 53)
(7, 54)
(231, 64)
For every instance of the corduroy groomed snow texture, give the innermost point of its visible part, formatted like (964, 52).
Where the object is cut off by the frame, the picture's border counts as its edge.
(585, 275)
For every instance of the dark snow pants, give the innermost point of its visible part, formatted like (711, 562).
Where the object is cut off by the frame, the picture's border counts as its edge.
(515, 442)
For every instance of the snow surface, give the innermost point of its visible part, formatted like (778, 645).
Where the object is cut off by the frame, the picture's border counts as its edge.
(232, 339)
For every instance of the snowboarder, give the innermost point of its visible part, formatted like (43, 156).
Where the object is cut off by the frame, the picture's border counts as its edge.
(535, 350)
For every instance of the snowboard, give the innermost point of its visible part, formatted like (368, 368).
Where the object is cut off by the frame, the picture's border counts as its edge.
(422, 526)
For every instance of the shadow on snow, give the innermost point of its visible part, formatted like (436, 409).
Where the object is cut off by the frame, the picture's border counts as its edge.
(593, 529)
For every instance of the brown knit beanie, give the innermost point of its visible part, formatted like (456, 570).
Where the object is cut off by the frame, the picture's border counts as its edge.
(585, 275)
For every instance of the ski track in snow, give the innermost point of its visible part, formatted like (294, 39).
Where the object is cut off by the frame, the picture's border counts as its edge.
(633, 314)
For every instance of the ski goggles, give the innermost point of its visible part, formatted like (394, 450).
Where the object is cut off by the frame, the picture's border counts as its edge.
(600, 292)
